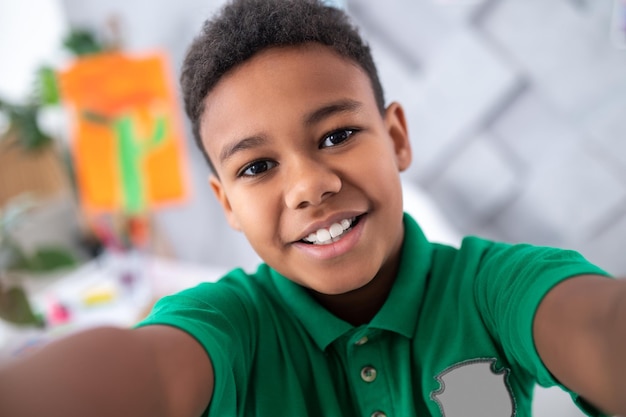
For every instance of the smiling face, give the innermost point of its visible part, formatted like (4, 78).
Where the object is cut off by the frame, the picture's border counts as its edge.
(308, 168)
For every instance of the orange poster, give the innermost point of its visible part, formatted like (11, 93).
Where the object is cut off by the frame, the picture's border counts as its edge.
(126, 133)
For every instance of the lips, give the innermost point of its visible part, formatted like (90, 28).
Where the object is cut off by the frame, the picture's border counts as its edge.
(335, 247)
(332, 233)
(327, 235)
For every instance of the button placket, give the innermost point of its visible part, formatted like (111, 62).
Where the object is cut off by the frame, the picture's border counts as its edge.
(363, 340)
(363, 358)
(368, 373)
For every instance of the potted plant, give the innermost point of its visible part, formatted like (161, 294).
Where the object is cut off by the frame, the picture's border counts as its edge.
(17, 264)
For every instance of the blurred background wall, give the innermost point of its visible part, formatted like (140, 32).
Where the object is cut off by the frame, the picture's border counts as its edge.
(516, 110)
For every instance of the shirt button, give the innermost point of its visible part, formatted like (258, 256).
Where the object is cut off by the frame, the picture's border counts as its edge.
(362, 341)
(368, 373)
(378, 414)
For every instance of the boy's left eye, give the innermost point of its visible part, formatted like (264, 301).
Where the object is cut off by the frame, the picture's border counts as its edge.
(257, 168)
(337, 137)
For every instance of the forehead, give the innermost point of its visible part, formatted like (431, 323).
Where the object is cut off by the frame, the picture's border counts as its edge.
(285, 66)
(279, 85)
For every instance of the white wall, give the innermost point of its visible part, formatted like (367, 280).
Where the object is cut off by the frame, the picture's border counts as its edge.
(30, 35)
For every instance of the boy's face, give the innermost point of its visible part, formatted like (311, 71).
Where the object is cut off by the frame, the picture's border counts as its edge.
(303, 154)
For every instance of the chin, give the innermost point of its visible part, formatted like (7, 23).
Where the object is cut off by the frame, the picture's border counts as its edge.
(339, 288)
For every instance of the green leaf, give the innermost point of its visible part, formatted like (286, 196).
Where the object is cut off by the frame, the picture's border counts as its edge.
(23, 124)
(46, 259)
(82, 42)
(47, 86)
(15, 308)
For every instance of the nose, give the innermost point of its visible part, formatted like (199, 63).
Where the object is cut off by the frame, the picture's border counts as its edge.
(309, 183)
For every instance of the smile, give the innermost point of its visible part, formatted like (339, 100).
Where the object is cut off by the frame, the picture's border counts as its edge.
(332, 234)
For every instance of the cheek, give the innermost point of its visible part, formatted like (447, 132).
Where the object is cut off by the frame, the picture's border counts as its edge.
(383, 181)
(378, 166)
(258, 215)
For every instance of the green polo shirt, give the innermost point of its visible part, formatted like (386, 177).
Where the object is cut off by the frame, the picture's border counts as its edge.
(453, 338)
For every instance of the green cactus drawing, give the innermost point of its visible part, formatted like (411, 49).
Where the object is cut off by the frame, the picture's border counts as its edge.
(132, 151)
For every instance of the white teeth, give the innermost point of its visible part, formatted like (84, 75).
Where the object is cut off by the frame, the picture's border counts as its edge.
(325, 236)
(335, 230)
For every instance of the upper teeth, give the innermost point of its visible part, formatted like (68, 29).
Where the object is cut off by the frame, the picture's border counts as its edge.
(325, 236)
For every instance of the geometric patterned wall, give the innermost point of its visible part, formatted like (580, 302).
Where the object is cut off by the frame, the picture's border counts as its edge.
(517, 113)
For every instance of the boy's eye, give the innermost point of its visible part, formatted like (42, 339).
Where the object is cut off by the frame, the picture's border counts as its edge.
(336, 137)
(256, 168)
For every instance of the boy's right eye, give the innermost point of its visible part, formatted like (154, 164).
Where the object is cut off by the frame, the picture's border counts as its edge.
(255, 168)
(337, 137)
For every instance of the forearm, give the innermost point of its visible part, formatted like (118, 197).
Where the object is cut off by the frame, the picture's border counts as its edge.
(102, 372)
(616, 352)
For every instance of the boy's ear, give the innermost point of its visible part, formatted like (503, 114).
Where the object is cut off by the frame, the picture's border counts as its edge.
(218, 190)
(395, 123)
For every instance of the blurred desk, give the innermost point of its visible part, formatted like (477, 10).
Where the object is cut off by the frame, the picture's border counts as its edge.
(117, 289)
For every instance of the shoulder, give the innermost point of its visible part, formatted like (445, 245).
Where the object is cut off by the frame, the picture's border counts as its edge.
(479, 256)
(231, 305)
(236, 287)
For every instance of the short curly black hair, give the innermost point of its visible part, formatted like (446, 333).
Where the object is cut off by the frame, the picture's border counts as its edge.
(246, 27)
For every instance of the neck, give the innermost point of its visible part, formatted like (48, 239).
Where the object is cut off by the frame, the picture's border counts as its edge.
(359, 306)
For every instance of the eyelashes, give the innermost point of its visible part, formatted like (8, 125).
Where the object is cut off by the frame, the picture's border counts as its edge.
(257, 168)
(330, 140)
(337, 137)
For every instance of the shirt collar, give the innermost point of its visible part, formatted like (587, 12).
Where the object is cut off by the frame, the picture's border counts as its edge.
(405, 296)
(400, 312)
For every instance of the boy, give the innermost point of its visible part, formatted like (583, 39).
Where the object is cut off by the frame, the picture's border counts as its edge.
(355, 313)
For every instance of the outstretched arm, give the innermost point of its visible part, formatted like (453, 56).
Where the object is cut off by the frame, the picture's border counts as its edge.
(155, 371)
(580, 334)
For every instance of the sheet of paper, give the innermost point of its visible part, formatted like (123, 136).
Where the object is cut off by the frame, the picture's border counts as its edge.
(126, 137)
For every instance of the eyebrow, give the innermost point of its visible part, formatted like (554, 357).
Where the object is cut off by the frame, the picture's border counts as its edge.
(342, 106)
(316, 116)
(241, 145)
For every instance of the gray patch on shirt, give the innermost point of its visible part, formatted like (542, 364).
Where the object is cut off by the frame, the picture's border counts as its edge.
(474, 389)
